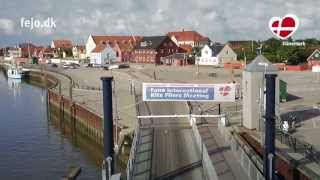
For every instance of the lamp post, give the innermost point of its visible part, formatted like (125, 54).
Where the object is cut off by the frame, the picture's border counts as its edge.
(261, 101)
(269, 153)
(245, 57)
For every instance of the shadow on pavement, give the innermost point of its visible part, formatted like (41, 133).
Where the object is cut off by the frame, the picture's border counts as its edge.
(291, 97)
(300, 115)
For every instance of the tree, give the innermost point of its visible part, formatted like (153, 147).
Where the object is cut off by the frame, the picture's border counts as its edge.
(298, 56)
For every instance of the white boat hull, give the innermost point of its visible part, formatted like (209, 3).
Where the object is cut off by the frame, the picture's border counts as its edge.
(14, 74)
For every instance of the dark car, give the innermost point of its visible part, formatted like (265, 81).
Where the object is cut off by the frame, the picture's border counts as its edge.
(71, 66)
(54, 65)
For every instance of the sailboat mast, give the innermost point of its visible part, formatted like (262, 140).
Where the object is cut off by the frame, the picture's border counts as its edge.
(28, 50)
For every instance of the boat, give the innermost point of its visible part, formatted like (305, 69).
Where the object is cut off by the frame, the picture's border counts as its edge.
(14, 73)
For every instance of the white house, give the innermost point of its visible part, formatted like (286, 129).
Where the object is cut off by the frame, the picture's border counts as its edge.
(15, 52)
(90, 45)
(103, 55)
(79, 52)
(123, 45)
(216, 55)
(206, 57)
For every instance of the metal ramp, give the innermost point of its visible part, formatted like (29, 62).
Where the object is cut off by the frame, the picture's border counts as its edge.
(180, 171)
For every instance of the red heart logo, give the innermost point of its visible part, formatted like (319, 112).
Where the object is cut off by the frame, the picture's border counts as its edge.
(284, 27)
(225, 90)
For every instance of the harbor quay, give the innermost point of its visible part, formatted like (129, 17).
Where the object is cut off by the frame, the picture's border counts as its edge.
(77, 93)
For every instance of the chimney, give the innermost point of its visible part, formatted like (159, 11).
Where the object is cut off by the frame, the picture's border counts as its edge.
(182, 30)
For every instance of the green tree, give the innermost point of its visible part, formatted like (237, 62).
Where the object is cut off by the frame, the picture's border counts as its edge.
(298, 56)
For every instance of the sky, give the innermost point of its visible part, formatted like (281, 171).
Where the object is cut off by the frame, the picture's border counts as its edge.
(220, 20)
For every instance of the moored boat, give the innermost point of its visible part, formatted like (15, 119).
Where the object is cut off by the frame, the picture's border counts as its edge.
(14, 73)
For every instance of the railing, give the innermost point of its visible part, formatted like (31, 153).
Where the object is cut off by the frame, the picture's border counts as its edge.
(135, 142)
(207, 165)
(299, 146)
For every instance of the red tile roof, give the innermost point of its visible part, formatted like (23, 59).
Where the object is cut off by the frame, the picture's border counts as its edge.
(101, 47)
(125, 43)
(39, 50)
(62, 43)
(187, 48)
(187, 36)
(98, 48)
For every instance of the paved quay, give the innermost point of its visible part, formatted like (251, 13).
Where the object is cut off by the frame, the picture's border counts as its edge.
(171, 147)
(300, 97)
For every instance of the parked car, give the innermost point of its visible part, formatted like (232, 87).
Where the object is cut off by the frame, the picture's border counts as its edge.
(122, 66)
(116, 66)
(54, 65)
(71, 66)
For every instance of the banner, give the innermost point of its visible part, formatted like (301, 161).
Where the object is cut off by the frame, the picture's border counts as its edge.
(188, 92)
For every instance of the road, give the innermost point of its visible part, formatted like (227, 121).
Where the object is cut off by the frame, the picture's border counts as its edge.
(174, 146)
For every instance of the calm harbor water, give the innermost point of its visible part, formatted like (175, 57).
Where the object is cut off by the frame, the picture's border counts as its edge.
(33, 147)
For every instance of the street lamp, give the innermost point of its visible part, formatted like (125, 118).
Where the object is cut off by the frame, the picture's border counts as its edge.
(245, 57)
(261, 98)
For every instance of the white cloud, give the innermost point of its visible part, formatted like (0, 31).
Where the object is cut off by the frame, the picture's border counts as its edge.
(120, 25)
(219, 19)
(158, 16)
(7, 26)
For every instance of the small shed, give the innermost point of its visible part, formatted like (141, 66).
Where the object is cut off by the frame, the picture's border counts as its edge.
(253, 90)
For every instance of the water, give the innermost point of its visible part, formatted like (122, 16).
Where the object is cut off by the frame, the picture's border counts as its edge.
(31, 147)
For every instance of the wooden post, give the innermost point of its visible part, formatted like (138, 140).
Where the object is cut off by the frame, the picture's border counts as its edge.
(60, 87)
(70, 90)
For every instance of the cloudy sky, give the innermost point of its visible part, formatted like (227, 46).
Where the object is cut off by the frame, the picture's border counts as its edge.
(220, 20)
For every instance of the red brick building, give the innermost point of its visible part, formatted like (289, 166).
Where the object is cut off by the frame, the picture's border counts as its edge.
(152, 49)
(125, 45)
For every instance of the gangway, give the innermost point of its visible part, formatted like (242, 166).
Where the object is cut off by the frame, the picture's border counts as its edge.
(180, 171)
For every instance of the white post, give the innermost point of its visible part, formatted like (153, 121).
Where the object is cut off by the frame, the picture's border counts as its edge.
(109, 159)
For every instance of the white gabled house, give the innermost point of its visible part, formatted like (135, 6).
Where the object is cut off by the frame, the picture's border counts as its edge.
(90, 45)
(123, 45)
(216, 55)
(103, 54)
(206, 57)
